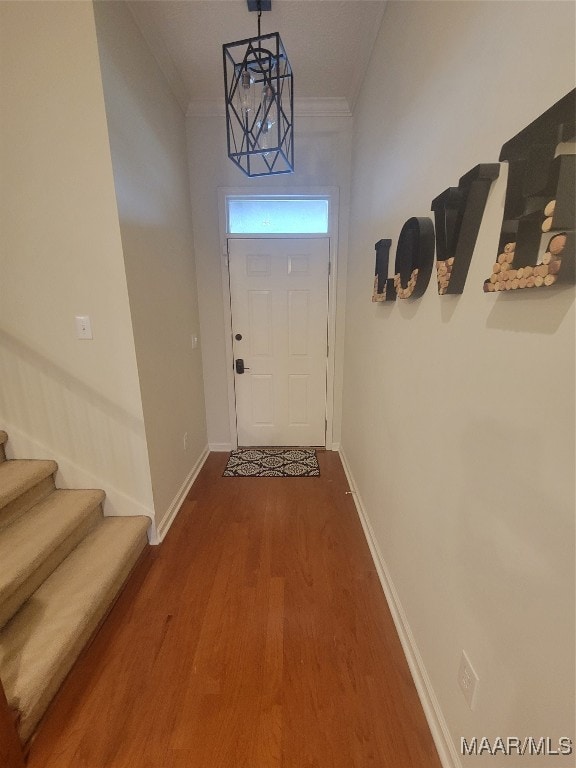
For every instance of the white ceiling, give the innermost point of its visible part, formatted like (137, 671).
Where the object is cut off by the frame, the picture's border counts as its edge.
(328, 43)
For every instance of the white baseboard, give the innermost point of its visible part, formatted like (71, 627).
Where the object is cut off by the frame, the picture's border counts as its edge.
(164, 526)
(220, 447)
(436, 721)
(227, 447)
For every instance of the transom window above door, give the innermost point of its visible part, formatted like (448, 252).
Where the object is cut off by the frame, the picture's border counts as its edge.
(277, 215)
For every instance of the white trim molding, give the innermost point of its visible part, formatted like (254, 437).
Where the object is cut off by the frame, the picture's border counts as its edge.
(436, 721)
(332, 194)
(303, 107)
(159, 532)
(221, 447)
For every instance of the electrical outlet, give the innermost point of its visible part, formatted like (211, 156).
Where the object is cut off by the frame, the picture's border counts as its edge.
(468, 680)
(194, 341)
(185, 441)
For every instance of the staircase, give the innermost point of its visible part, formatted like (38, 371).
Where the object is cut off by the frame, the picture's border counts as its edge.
(62, 565)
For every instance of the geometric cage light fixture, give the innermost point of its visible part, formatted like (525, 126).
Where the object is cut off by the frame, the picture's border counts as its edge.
(259, 102)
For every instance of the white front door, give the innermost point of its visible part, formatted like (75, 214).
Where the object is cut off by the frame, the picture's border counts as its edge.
(279, 301)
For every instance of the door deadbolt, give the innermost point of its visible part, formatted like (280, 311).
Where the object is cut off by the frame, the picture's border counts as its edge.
(240, 367)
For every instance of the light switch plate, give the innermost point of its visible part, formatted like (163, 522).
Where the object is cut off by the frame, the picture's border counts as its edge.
(83, 327)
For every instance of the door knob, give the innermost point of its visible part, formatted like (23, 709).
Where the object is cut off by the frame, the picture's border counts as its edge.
(240, 367)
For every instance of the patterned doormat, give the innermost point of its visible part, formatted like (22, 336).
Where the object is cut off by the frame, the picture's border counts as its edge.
(272, 462)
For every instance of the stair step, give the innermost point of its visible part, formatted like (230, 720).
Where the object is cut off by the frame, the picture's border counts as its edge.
(3, 441)
(37, 542)
(43, 640)
(23, 483)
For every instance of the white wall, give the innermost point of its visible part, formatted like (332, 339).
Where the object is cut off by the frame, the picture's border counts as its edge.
(322, 149)
(61, 255)
(149, 157)
(458, 412)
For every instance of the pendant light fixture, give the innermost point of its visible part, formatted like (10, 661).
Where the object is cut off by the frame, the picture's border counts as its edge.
(259, 102)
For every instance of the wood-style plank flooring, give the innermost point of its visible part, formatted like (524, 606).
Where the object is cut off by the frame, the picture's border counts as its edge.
(256, 636)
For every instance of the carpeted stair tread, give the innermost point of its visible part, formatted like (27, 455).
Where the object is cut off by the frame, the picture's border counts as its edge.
(37, 542)
(19, 477)
(41, 643)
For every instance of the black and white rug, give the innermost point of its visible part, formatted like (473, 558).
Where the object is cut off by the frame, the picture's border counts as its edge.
(272, 462)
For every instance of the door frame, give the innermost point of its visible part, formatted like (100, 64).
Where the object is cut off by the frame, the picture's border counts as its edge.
(332, 195)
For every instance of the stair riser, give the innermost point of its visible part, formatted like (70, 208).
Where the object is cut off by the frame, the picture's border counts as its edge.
(74, 644)
(11, 604)
(64, 566)
(25, 501)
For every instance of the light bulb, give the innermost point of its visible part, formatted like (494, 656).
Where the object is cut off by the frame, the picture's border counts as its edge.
(267, 103)
(267, 117)
(246, 93)
(265, 139)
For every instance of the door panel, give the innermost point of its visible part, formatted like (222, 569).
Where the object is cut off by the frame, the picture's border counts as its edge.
(262, 399)
(298, 322)
(279, 298)
(298, 400)
(260, 322)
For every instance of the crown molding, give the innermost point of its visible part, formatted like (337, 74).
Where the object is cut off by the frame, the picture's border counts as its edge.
(303, 107)
(327, 106)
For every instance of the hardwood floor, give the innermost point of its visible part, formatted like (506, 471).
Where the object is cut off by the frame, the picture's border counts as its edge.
(256, 636)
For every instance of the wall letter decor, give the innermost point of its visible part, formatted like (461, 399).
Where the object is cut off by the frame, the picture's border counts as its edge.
(537, 246)
(458, 212)
(414, 258)
(537, 243)
(383, 285)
